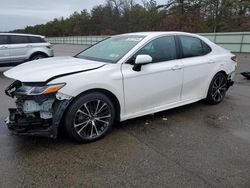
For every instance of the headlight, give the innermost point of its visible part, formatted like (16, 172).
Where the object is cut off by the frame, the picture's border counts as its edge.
(39, 90)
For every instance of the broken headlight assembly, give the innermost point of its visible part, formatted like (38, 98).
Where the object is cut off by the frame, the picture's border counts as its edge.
(39, 90)
(17, 88)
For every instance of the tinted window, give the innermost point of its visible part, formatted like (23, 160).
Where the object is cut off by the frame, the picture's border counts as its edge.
(161, 49)
(193, 47)
(15, 39)
(3, 39)
(36, 40)
(206, 48)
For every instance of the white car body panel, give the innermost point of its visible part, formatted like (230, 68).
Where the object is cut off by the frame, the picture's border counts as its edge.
(41, 70)
(4, 53)
(107, 78)
(157, 87)
(20, 52)
(196, 72)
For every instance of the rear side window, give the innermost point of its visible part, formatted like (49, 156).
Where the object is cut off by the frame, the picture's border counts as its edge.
(193, 47)
(15, 39)
(3, 39)
(36, 40)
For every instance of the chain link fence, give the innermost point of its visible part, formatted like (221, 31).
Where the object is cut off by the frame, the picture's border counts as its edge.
(233, 41)
(80, 40)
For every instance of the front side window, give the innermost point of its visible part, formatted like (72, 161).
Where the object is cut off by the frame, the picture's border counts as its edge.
(192, 47)
(112, 49)
(15, 39)
(160, 49)
(3, 39)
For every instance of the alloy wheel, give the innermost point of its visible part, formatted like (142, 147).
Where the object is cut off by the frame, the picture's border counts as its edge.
(92, 119)
(219, 88)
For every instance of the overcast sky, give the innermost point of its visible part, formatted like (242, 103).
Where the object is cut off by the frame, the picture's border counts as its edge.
(16, 14)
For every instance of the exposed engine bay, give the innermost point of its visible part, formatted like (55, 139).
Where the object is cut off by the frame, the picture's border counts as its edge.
(37, 112)
(29, 107)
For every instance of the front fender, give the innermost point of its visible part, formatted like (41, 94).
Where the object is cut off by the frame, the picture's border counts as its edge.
(107, 78)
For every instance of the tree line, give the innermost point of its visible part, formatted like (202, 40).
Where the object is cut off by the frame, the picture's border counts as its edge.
(121, 16)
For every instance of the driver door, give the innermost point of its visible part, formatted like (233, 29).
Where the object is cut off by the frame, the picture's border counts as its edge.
(158, 85)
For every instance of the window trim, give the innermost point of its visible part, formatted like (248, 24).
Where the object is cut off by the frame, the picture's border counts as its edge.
(131, 61)
(181, 48)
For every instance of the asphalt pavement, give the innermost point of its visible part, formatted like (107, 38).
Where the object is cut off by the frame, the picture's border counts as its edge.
(197, 145)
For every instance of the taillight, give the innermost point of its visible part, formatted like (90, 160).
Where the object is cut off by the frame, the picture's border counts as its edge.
(234, 58)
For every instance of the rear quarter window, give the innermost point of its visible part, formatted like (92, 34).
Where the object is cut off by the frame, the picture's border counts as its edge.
(206, 48)
(36, 40)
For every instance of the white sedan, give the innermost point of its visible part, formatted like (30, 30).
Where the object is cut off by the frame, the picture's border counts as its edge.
(119, 78)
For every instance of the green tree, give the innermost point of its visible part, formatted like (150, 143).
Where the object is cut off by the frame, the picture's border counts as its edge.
(119, 16)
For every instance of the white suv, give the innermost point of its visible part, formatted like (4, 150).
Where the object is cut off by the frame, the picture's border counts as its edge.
(120, 78)
(18, 48)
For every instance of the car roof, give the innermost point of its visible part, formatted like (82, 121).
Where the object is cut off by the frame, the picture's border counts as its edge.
(21, 34)
(153, 34)
(160, 33)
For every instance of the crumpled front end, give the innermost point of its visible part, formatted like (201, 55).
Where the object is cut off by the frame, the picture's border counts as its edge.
(39, 108)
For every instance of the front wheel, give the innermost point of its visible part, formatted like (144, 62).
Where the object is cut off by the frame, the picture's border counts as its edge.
(217, 89)
(89, 117)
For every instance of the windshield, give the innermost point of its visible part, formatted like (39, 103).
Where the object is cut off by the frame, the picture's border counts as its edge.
(112, 49)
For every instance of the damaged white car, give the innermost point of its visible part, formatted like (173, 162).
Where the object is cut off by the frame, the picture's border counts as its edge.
(120, 78)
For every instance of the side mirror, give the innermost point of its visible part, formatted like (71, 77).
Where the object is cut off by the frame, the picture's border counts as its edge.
(141, 60)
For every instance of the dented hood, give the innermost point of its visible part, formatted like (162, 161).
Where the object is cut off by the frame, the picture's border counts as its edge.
(45, 69)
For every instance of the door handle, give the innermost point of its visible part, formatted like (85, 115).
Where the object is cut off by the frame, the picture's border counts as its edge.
(211, 61)
(3, 47)
(29, 45)
(176, 67)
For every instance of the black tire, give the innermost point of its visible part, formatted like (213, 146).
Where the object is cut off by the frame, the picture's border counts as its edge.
(37, 56)
(217, 89)
(89, 117)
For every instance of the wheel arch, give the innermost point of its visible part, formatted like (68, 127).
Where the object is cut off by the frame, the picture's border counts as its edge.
(220, 71)
(110, 95)
(38, 53)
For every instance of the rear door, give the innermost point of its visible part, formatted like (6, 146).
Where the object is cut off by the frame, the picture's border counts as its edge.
(198, 65)
(4, 49)
(36, 41)
(19, 47)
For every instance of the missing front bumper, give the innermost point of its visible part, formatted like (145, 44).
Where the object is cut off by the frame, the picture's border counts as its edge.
(35, 126)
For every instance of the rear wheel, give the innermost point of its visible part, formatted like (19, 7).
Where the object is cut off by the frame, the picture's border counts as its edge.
(89, 117)
(217, 89)
(37, 56)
